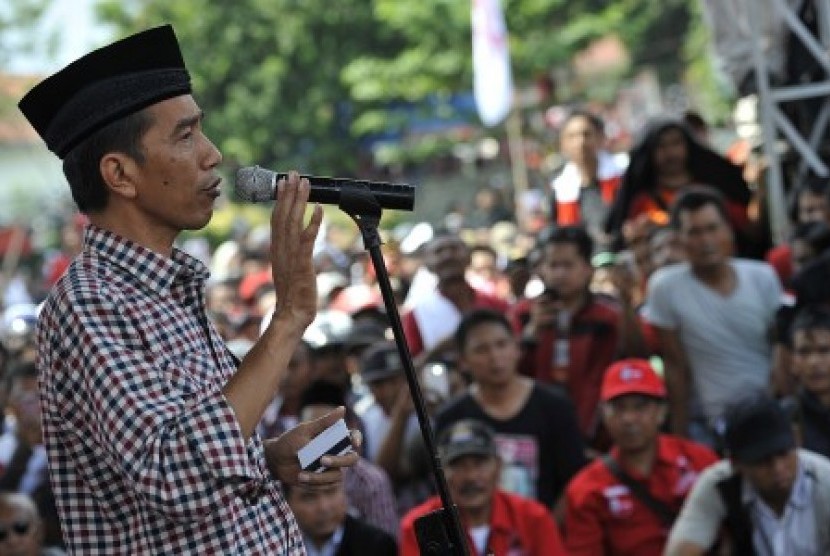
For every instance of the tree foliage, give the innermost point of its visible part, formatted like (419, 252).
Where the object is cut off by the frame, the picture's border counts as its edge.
(267, 72)
(302, 82)
(15, 19)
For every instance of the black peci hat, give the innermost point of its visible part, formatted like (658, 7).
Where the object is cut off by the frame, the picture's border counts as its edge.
(105, 85)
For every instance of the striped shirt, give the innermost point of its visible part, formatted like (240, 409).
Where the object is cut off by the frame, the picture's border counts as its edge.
(145, 453)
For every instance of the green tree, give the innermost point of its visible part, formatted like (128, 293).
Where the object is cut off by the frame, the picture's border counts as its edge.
(299, 83)
(267, 72)
(544, 34)
(15, 19)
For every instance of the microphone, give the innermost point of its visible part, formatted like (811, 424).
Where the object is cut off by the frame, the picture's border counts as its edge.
(259, 185)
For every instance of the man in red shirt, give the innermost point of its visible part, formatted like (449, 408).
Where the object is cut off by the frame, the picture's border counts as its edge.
(624, 504)
(569, 334)
(496, 522)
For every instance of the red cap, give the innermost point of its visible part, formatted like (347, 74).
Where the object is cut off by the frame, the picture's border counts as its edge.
(251, 283)
(631, 376)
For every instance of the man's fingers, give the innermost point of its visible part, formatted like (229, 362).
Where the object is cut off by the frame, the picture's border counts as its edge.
(298, 206)
(295, 200)
(334, 462)
(356, 438)
(309, 233)
(326, 478)
(281, 206)
(320, 424)
(333, 472)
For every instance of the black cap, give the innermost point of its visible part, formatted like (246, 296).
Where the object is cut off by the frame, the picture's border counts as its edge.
(757, 428)
(365, 333)
(105, 85)
(466, 438)
(381, 360)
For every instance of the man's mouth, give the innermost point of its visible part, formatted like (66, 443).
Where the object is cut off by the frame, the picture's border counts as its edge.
(214, 188)
(469, 490)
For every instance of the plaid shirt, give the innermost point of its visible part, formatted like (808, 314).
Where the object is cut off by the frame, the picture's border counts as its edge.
(145, 454)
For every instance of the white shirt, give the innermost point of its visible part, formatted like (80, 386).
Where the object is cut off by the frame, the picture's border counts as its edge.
(480, 535)
(794, 532)
(329, 548)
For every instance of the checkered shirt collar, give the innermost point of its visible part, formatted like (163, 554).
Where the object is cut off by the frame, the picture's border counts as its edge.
(155, 271)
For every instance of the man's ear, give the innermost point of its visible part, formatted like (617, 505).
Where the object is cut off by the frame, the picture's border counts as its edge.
(119, 173)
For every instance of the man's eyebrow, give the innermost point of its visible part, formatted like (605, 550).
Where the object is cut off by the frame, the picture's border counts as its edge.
(190, 121)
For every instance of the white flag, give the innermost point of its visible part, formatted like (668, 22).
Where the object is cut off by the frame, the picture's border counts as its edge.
(492, 80)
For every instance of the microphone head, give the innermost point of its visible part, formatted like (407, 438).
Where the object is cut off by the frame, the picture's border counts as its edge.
(255, 184)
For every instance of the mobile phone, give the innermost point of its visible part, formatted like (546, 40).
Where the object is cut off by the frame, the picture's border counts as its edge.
(436, 378)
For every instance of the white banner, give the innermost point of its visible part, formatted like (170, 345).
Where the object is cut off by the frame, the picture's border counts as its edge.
(492, 80)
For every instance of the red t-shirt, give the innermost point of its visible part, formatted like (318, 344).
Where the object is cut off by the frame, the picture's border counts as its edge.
(517, 526)
(603, 514)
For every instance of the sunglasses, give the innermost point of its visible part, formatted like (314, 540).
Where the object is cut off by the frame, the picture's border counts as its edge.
(19, 528)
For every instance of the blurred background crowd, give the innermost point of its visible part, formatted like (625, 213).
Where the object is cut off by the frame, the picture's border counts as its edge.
(639, 213)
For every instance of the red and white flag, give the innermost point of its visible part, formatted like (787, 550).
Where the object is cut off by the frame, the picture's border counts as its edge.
(492, 79)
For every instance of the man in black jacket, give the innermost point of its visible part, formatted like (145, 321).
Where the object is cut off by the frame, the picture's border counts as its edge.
(328, 529)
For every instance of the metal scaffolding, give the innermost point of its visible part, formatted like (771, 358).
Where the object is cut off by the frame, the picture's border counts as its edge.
(805, 142)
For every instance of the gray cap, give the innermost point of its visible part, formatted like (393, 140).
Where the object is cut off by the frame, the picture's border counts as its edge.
(381, 360)
(465, 438)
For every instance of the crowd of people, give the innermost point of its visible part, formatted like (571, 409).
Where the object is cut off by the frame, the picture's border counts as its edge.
(638, 372)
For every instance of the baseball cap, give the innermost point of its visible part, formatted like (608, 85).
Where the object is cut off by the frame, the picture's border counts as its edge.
(465, 438)
(631, 376)
(381, 360)
(756, 428)
(364, 334)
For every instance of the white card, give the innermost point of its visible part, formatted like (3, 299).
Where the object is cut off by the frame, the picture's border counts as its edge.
(334, 441)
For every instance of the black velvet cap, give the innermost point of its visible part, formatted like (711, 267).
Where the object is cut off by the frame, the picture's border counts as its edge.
(105, 85)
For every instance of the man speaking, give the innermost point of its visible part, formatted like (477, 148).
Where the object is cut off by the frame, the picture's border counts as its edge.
(148, 420)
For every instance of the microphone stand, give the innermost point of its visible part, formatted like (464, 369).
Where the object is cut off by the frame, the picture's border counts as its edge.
(439, 533)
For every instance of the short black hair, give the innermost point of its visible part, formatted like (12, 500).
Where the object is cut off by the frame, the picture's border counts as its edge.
(577, 236)
(810, 317)
(476, 318)
(322, 392)
(595, 121)
(816, 234)
(695, 198)
(17, 371)
(81, 165)
(820, 187)
(695, 121)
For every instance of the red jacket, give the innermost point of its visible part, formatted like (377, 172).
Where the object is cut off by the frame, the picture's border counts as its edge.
(602, 515)
(593, 342)
(518, 527)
